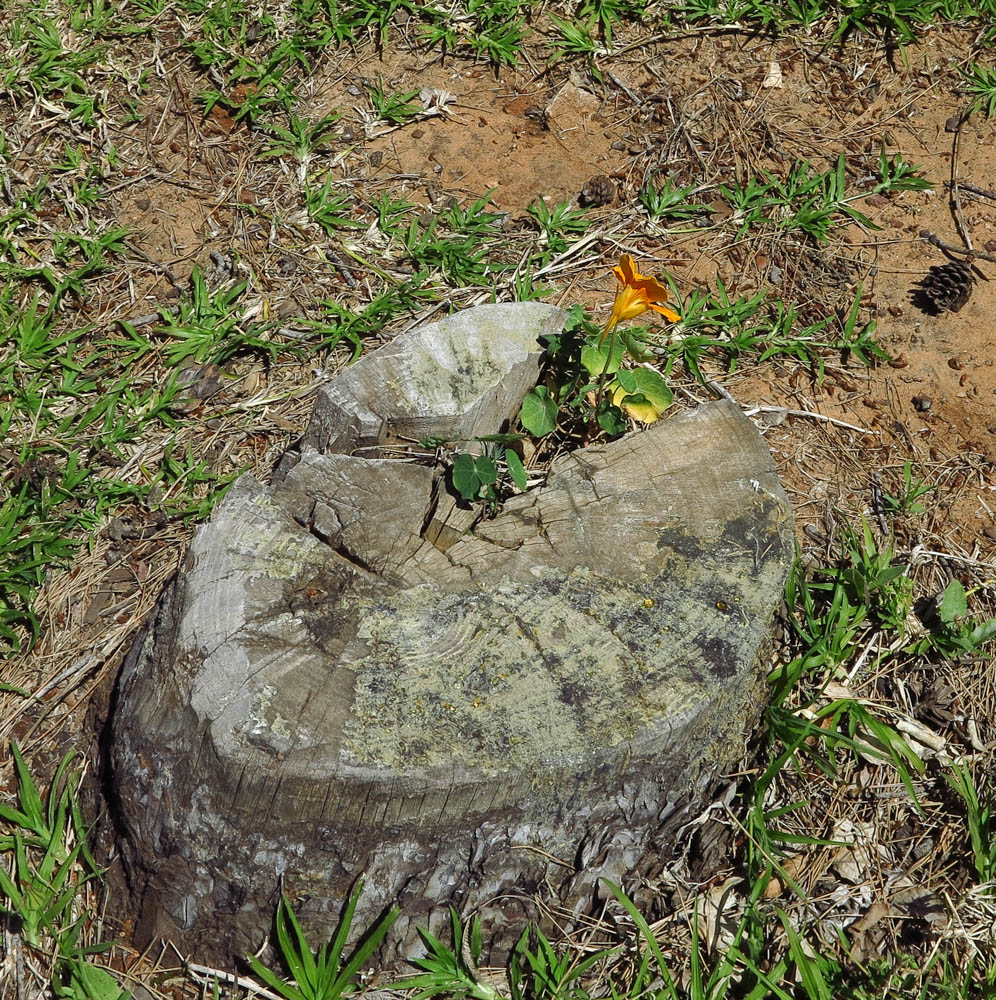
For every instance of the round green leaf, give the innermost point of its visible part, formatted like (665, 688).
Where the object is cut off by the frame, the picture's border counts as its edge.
(539, 412)
(486, 472)
(650, 384)
(465, 479)
(594, 357)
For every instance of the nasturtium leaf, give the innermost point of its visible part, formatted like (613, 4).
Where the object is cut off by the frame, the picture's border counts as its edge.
(516, 469)
(539, 412)
(487, 474)
(611, 420)
(465, 479)
(594, 357)
(642, 394)
(471, 474)
(627, 379)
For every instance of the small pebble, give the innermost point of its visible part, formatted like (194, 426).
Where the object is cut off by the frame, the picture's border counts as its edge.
(922, 403)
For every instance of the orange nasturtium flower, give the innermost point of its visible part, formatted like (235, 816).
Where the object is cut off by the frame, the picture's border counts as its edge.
(636, 294)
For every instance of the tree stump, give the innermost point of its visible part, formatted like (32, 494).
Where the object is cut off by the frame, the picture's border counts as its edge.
(343, 681)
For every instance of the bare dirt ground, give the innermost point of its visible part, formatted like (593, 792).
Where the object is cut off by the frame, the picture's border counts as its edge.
(696, 109)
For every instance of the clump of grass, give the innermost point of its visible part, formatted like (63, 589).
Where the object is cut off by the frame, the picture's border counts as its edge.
(321, 975)
(43, 840)
(811, 201)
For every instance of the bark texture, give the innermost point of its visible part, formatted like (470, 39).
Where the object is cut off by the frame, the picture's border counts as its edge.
(340, 683)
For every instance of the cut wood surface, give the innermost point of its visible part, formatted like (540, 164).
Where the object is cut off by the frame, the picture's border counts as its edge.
(333, 687)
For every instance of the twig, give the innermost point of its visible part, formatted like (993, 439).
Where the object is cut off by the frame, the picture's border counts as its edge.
(981, 192)
(917, 552)
(344, 271)
(141, 320)
(163, 269)
(807, 413)
(878, 504)
(926, 234)
(239, 982)
(571, 251)
(721, 391)
(18, 964)
(635, 98)
(955, 193)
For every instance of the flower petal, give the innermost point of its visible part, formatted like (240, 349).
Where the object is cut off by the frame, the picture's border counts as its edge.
(669, 314)
(625, 272)
(652, 288)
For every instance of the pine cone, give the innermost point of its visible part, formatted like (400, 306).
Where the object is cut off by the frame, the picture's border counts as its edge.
(948, 286)
(599, 190)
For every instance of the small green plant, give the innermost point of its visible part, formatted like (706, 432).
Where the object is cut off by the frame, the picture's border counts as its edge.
(670, 202)
(558, 226)
(478, 477)
(321, 975)
(338, 324)
(895, 174)
(981, 822)
(813, 201)
(534, 968)
(498, 29)
(906, 501)
(77, 979)
(451, 971)
(872, 579)
(391, 214)
(47, 841)
(872, 17)
(394, 108)
(951, 632)
(606, 14)
(757, 327)
(330, 208)
(41, 894)
(455, 243)
(209, 326)
(576, 39)
(300, 139)
(981, 81)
